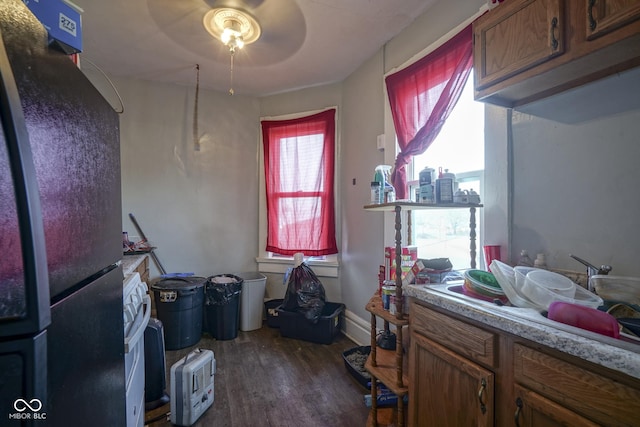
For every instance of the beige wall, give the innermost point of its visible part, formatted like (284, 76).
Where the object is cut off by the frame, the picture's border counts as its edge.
(195, 201)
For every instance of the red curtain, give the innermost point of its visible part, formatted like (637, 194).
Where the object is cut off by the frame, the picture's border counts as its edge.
(299, 175)
(423, 95)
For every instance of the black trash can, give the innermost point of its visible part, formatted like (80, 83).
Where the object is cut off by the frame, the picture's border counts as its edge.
(222, 306)
(179, 304)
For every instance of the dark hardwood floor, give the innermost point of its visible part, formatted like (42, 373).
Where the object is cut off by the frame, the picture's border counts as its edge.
(264, 379)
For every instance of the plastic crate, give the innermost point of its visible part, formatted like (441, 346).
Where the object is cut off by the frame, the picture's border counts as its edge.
(362, 377)
(295, 325)
(271, 308)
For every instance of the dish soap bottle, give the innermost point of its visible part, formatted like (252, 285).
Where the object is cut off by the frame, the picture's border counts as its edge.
(379, 177)
(525, 260)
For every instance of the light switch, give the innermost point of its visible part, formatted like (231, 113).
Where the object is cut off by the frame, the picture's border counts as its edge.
(380, 142)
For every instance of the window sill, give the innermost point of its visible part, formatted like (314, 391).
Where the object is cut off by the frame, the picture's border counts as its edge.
(280, 265)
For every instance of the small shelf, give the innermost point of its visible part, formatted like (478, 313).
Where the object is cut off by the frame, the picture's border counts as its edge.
(390, 207)
(387, 366)
(386, 371)
(375, 306)
(390, 366)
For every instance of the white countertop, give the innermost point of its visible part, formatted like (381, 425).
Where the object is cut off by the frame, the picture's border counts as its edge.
(619, 355)
(131, 262)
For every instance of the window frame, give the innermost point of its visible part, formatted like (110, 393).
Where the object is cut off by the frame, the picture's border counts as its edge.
(476, 175)
(461, 178)
(268, 262)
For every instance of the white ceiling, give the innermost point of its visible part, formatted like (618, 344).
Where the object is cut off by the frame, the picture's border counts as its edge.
(303, 43)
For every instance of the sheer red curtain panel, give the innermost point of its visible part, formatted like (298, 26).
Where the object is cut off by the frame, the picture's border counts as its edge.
(299, 157)
(423, 95)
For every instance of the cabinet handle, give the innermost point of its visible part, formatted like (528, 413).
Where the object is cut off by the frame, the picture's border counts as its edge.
(554, 40)
(483, 387)
(592, 21)
(517, 414)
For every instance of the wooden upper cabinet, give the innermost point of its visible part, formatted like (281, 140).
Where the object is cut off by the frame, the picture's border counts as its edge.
(604, 16)
(518, 38)
(528, 50)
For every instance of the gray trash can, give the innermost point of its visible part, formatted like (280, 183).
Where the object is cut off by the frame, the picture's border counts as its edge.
(252, 300)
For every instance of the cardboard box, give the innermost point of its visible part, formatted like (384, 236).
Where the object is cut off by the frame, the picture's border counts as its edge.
(62, 20)
(411, 275)
(408, 258)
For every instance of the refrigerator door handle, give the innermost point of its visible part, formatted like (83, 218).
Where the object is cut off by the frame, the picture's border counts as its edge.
(132, 339)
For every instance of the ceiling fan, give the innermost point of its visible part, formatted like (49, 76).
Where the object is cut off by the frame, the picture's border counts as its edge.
(276, 30)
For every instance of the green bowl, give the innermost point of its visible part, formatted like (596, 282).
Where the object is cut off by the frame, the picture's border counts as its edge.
(484, 281)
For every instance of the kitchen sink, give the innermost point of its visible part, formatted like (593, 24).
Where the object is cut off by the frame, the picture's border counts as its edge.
(454, 290)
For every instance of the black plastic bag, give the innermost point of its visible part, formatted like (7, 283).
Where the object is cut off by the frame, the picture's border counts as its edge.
(305, 293)
(222, 289)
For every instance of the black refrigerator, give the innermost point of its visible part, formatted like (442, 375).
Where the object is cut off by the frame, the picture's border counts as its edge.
(61, 313)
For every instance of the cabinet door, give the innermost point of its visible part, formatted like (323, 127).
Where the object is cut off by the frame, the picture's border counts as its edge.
(590, 393)
(532, 409)
(447, 389)
(604, 16)
(515, 37)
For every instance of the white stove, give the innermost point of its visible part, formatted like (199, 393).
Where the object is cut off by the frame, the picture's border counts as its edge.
(137, 311)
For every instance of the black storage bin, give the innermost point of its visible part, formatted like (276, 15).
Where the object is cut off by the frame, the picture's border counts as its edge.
(179, 302)
(222, 306)
(296, 325)
(271, 308)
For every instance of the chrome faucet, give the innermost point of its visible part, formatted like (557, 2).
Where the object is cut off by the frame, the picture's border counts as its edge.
(592, 270)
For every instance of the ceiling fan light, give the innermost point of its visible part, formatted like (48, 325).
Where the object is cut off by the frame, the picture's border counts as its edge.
(234, 43)
(226, 24)
(227, 35)
(232, 27)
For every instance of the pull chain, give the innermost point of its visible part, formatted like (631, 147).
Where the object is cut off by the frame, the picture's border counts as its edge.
(233, 51)
(196, 143)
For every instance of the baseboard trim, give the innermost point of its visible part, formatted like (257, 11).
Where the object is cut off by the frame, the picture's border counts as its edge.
(356, 328)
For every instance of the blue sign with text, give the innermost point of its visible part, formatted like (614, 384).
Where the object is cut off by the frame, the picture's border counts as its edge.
(62, 21)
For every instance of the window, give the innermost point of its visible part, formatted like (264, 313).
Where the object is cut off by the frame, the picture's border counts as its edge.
(299, 183)
(438, 124)
(460, 148)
